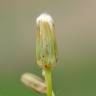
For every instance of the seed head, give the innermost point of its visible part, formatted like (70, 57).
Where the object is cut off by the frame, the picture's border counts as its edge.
(46, 48)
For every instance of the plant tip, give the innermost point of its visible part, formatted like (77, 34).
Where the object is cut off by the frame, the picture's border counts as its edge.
(44, 17)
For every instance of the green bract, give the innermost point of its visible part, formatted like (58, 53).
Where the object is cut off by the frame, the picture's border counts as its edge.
(46, 48)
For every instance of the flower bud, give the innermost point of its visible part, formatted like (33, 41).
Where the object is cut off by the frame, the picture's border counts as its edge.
(46, 48)
(33, 82)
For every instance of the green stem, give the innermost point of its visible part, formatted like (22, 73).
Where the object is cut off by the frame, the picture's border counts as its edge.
(48, 80)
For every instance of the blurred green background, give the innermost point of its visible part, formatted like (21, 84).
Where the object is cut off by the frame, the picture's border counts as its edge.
(75, 21)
